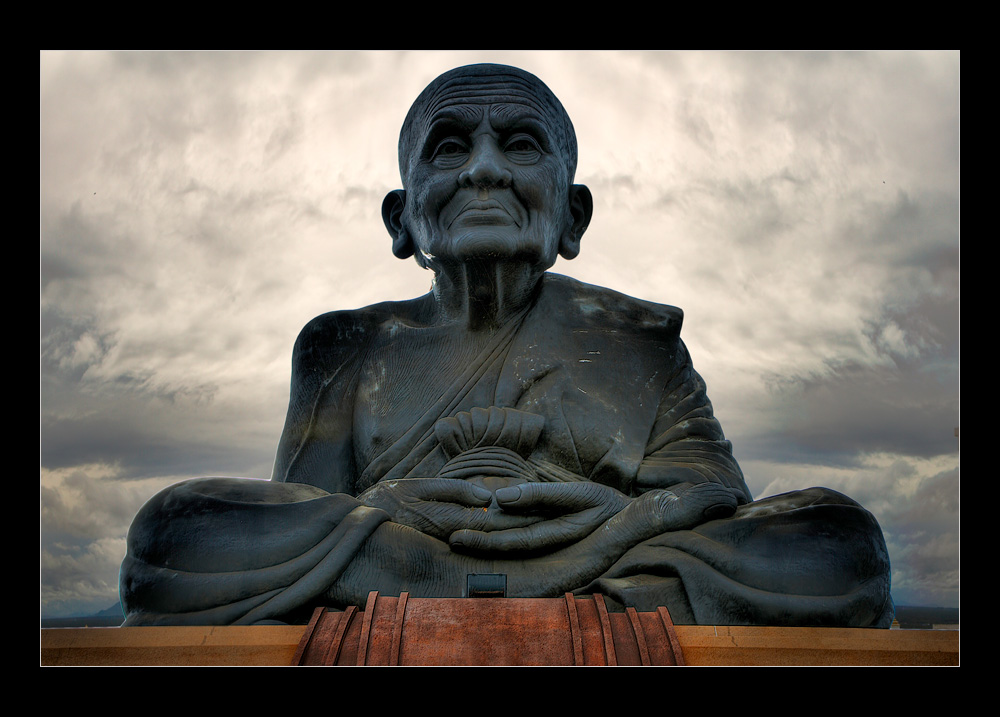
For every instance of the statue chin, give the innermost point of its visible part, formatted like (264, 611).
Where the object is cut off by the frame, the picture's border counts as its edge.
(500, 244)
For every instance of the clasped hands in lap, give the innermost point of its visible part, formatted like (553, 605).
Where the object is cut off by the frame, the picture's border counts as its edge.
(496, 510)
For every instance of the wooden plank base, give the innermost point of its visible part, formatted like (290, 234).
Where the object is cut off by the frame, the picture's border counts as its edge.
(702, 645)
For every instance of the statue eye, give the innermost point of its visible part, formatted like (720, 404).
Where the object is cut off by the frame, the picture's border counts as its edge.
(522, 148)
(450, 147)
(450, 153)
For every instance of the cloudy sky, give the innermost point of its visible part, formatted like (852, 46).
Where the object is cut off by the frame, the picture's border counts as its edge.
(196, 209)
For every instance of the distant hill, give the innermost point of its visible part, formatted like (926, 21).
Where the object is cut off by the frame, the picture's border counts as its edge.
(112, 616)
(113, 611)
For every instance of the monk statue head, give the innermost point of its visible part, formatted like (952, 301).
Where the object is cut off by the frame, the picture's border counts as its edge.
(487, 156)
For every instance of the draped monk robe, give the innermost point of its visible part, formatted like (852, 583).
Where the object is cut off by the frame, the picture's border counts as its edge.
(586, 385)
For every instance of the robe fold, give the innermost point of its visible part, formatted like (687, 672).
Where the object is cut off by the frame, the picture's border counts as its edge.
(586, 385)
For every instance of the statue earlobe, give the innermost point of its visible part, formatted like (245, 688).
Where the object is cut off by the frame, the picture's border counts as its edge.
(581, 208)
(392, 215)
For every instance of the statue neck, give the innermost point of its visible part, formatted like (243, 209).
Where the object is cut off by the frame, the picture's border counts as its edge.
(485, 295)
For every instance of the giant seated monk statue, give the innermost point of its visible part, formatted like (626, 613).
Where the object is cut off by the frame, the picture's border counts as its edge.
(511, 421)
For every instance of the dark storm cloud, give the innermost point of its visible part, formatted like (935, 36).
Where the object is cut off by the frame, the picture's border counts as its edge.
(130, 419)
(63, 520)
(924, 539)
(140, 448)
(855, 410)
(905, 398)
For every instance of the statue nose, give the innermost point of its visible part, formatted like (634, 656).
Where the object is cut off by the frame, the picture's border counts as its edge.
(486, 167)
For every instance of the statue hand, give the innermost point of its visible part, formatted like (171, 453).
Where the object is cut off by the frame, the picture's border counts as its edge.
(570, 512)
(663, 511)
(439, 506)
(596, 514)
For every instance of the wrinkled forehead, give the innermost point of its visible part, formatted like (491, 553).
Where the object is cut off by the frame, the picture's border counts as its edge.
(492, 89)
(506, 93)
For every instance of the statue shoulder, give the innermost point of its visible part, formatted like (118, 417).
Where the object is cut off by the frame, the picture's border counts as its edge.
(328, 340)
(611, 309)
(316, 445)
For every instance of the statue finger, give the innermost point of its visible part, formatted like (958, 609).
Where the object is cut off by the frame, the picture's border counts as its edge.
(540, 537)
(437, 519)
(709, 501)
(660, 511)
(441, 519)
(562, 497)
(448, 490)
(488, 521)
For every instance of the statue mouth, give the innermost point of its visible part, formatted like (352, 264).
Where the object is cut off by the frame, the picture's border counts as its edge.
(484, 212)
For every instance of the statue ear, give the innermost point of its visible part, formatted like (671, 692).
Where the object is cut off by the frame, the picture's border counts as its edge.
(581, 209)
(392, 215)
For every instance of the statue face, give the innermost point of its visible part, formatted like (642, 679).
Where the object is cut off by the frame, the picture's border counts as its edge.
(486, 181)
